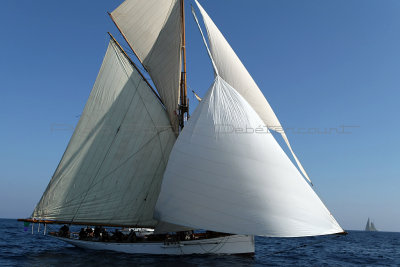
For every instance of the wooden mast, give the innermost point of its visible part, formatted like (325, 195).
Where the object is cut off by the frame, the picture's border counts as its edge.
(184, 105)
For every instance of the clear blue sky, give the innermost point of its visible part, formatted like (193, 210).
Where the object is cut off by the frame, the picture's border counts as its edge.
(321, 64)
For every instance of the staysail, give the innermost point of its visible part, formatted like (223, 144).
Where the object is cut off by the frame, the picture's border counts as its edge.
(112, 169)
(153, 28)
(237, 179)
(232, 70)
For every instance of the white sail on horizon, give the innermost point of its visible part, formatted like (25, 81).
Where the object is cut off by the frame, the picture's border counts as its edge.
(370, 226)
(112, 168)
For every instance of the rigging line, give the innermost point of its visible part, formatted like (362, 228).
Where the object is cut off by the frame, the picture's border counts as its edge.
(147, 110)
(114, 138)
(84, 143)
(128, 158)
(139, 66)
(163, 160)
(142, 207)
(128, 50)
(136, 68)
(57, 171)
(138, 92)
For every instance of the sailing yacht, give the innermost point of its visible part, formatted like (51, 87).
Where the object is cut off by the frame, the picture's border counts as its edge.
(370, 226)
(137, 160)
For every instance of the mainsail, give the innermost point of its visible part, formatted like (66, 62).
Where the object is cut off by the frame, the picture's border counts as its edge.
(153, 28)
(112, 168)
(232, 70)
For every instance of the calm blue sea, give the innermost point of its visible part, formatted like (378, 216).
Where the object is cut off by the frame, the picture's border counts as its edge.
(19, 248)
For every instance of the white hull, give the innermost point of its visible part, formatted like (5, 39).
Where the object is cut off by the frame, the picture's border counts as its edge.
(234, 244)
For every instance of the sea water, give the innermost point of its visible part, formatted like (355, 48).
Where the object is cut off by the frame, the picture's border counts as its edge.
(358, 248)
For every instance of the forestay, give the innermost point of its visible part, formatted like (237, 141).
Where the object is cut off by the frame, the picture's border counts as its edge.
(112, 168)
(232, 70)
(153, 28)
(236, 178)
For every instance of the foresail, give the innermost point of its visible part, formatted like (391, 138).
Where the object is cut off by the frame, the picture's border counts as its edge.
(237, 179)
(232, 70)
(112, 169)
(153, 29)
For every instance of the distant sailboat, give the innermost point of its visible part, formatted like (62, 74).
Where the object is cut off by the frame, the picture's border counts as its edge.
(370, 227)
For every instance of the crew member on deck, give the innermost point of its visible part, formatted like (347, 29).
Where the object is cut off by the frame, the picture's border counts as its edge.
(64, 231)
(97, 231)
(82, 234)
(104, 235)
(89, 231)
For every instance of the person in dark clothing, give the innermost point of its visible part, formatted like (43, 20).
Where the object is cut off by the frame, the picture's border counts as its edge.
(104, 235)
(96, 232)
(64, 231)
(82, 234)
(118, 235)
(89, 231)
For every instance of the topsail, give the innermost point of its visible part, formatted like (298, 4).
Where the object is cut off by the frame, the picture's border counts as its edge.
(153, 28)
